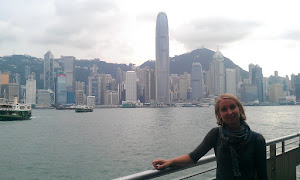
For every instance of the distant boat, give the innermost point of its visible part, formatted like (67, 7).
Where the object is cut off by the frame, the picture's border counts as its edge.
(84, 109)
(204, 105)
(128, 105)
(11, 112)
(64, 107)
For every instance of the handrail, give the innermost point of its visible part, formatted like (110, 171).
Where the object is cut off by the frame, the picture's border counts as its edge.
(148, 174)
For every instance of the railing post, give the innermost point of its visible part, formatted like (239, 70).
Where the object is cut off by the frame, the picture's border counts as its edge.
(273, 160)
(282, 147)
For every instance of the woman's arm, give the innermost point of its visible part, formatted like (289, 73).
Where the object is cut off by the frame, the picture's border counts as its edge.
(183, 160)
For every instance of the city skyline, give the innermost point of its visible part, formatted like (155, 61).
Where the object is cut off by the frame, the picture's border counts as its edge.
(98, 29)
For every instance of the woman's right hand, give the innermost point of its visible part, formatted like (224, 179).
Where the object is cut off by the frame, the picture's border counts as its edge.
(160, 164)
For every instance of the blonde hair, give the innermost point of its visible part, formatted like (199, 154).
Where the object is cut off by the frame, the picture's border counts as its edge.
(236, 100)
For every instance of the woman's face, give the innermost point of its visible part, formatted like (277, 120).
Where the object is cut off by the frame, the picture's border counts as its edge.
(230, 113)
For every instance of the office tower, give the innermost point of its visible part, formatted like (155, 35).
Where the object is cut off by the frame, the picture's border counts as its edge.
(130, 86)
(248, 93)
(197, 81)
(162, 63)
(293, 81)
(69, 70)
(91, 101)
(174, 87)
(13, 91)
(61, 89)
(276, 73)
(250, 72)
(150, 86)
(257, 79)
(297, 87)
(80, 96)
(5, 77)
(49, 83)
(111, 98)
(31, 91)
(287, 83)
(121, 92)
(275, 92)
(27, 72)
(231, 81)
(95, 88)
(182, 88)
(43, 98)
(217, 74)
(119, 75)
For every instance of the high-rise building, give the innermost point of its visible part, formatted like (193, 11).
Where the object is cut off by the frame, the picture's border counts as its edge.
(182, 88)
(231, 81)
(69, 70)
(61, 89)
(5, 77)
(13, 92)
(257, 79)
(27, 72)
(95, 88)
(275, 92)
(150, 86)
(162, 63)
(217, 74)
(31, 91)
(197, 81)
(121, 92)
(43, 98)
(111, 98)
(80, 96)
(91, 101)
(297, 87)
(49, 83)
(131, 86)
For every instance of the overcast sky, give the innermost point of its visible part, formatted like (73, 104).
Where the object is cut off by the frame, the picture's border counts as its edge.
(261, 32)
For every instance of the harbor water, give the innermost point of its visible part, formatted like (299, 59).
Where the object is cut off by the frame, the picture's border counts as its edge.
(110, 143)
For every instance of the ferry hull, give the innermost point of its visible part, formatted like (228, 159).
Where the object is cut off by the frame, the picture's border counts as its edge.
(14, 116)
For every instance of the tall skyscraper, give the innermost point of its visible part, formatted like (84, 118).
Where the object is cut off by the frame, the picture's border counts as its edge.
(162, 63)
(217, 74)
(49, 83)
(197, 81)
(231, 81)
(61, 89)
(30, 91)
(13, 91)
(297, 87)
(69, 70)
(257, 79)
(130, 86)
(95, 88)
(150, 86)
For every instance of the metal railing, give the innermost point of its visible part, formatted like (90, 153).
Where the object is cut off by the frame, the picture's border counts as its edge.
(149, 174)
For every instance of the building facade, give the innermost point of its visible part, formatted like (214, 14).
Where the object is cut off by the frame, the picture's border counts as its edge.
(30, 91)
(162, 63)
(49, 75)
(131, 86)
(197, 81)
(231, 81)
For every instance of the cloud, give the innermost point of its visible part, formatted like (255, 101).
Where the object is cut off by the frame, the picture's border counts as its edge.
(81, 24)
(9, 32)
(212, 32)
(292, 35)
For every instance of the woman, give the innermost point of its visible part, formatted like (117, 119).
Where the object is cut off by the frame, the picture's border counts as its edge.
(240, 152)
